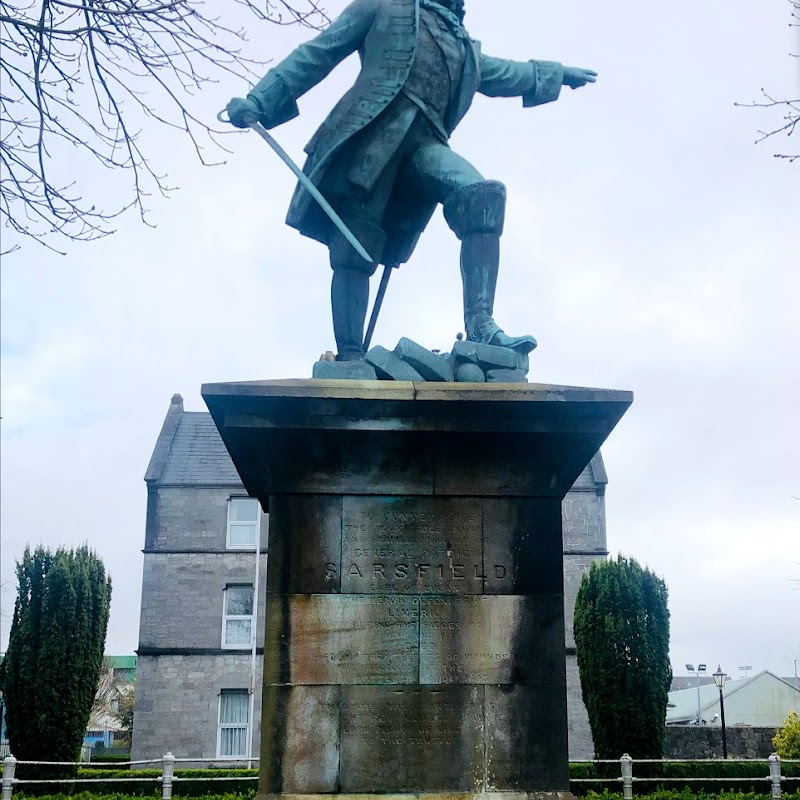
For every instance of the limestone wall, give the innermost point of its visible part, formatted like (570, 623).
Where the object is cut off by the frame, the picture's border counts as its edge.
(182, 598)
(692, 741)
(177, 703)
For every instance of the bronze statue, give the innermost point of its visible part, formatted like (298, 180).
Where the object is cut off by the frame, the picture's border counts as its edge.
(382, 158)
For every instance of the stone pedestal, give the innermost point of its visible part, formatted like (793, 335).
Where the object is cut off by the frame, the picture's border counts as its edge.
(414, 623)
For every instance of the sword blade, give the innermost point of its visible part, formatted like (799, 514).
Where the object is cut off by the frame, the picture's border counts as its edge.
(376, 309)
(312, 190)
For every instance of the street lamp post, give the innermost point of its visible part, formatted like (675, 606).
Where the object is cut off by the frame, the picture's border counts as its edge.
(700, 668)
(719, 678)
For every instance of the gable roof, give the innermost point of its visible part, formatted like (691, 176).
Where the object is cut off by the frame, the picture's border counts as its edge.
(190, 452)
(683, 702)
(593, 478)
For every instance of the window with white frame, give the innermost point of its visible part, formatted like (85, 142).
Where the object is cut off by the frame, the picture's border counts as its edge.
(242, 523)
(234, 723)
(237, 616)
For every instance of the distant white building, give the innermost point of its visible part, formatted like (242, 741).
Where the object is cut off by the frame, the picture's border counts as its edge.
(764, 700)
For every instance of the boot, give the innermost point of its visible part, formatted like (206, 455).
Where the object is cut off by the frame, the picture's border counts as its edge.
(477, 214)
(349, 301)
(350, 286)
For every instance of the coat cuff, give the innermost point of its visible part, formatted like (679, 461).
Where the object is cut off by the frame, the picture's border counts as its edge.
(549, 79)
(272, 96)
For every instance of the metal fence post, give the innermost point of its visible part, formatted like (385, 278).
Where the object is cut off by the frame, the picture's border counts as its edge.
(167, 771)
(775, 775)
(9, 768)
(626, 763)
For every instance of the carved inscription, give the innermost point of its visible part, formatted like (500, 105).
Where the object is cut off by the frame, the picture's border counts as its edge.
(431, 737)
(348, 639)
(412, 545)
(386, 728)
(467, 639)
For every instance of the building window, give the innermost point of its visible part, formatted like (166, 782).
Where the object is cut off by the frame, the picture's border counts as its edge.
(237, 617)
(234, 723)
(242, 523)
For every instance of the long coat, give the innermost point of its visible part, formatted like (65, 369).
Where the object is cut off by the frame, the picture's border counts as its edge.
(385, 34)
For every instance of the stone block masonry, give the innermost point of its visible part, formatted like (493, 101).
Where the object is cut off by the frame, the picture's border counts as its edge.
(192, 585)
(414, 621)
(177, 703)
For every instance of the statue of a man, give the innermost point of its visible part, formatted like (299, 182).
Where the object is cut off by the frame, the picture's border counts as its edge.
(382, 157)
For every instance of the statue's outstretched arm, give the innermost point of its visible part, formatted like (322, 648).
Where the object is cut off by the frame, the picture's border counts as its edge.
(536, 82)
(276, 94)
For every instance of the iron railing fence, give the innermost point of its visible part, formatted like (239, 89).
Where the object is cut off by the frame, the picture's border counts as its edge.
(167, 778)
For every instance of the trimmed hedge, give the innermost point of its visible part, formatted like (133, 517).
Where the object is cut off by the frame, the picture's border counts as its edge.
(122, 796)
(198, 786)
(97, 758)
(686, 794)
(757, 771)
(194, 783)
(666, 788)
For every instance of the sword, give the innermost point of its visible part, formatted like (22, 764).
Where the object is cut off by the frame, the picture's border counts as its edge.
(376, 309)
(335, 219)
(308, 186)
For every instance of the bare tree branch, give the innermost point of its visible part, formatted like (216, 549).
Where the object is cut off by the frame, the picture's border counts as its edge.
(789, 107)
(83, 81)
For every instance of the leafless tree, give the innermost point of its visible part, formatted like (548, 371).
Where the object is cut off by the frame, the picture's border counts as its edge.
(113, 702)
(790, 108)
(105, 698)
(84, 81)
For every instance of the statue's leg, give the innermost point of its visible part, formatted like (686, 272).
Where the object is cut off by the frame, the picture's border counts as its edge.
(350, 286)
(475, 210)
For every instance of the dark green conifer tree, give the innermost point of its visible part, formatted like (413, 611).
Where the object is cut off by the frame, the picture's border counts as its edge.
(55, 652)
(622, 640)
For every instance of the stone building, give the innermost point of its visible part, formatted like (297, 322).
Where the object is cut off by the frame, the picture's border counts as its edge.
(196, 660)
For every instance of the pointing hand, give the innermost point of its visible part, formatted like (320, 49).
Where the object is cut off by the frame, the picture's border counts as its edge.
(575, 77)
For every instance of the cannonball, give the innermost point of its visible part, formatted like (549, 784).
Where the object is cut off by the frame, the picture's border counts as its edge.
(470, 373)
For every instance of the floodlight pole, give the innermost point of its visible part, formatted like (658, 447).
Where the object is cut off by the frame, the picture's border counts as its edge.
(700, 668)
(719, 678)
(699, 704)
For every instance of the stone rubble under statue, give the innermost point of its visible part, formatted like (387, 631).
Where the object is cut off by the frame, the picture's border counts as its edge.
(468, 362)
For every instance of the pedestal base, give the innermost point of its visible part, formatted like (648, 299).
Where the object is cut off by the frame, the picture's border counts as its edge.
(414, 622)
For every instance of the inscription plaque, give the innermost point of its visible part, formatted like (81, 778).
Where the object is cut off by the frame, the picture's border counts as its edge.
(491, 640)
(343, 639)
(466, 640)
(411, 739)
(419, 545)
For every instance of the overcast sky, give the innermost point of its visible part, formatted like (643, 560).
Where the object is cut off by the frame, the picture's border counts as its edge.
(649, 246)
